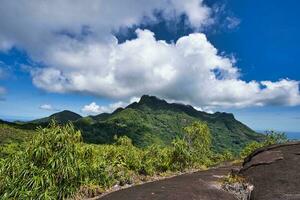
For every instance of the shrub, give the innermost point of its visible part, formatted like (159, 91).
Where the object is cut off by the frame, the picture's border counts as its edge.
(53, 166)
(249, 148)
(274, 137)
(181, 157)
(271, 138)
(198, 139)
(217, 158)
(56, 164)
(123, 141)
(156, 159)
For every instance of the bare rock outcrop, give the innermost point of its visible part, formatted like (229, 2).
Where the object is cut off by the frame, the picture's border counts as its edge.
(274, 171)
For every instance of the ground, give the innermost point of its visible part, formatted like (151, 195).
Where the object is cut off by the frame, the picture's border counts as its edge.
(203, 185)
(275, 172)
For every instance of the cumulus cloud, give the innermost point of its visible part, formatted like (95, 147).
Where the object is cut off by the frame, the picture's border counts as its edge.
(48, 107)
(41, 25)
(94, 108)
(73, 41)
(190, 70)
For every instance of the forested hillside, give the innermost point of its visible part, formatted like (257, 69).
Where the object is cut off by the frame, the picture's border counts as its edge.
(152, 120)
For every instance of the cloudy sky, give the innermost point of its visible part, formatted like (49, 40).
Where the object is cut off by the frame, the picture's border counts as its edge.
(92, 57)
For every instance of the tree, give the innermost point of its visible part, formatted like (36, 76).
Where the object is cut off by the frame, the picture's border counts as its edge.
(198, 139)
(274, 137)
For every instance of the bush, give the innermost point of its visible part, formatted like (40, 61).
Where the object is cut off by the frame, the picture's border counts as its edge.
(53, 166)
(274, 137)
(156, 159)
(122, 159)
(198, 138)
(56, 164)
(271, 138)
(249, 148)
(181, 157)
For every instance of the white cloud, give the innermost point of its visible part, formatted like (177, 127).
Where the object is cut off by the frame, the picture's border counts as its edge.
(39, 26)
(48, 107)
(73, 40)
(94, 108)
(190, 70)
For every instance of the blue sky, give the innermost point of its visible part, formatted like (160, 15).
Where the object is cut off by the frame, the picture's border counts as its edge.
(261, 36)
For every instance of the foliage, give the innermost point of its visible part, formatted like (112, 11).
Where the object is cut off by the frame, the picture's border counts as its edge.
(271, 138)
(123, 141)
(154, 121)
(12, 138)
(56, 164)
(232, 179)
(181, 157)
(194, 149)
(198, 139)
(62, 117)
(274, 137)
(250, 148)
(53, 166)
(226, 155)
(155, 159)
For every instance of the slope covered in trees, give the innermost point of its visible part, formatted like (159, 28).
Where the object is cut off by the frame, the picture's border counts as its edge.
(152, 120)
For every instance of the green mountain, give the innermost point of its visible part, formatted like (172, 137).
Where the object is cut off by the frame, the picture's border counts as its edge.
(61, 117)
(153, 120)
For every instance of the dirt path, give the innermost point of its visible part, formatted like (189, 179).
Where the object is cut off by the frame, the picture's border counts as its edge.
(202, 185)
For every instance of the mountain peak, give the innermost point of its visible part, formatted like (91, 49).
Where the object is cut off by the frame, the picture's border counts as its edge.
(150, 99)
(61, 117)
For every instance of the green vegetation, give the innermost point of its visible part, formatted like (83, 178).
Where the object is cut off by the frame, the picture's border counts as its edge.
(61, 117)
(146, 139)
(154, 121)
(56, 164)
(271, 138)
(11, 138)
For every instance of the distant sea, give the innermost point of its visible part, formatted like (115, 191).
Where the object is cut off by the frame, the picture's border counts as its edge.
(293, 135)
(289, 134)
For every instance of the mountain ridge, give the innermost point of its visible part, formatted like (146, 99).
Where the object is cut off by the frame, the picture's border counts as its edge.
(154, 120)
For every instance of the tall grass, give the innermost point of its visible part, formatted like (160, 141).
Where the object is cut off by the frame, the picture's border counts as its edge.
(56, 163)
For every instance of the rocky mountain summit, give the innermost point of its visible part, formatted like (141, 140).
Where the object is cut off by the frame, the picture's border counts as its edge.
(274, 172)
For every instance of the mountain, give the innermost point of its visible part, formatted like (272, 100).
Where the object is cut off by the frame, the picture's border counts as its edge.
(153, 120)
(61, 117)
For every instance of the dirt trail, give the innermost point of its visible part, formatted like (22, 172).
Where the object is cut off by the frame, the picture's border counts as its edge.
(203, 185)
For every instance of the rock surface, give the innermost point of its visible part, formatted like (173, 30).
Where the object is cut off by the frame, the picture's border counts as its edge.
(274, 171)
(204, 185)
